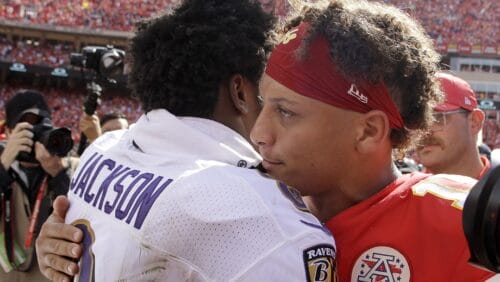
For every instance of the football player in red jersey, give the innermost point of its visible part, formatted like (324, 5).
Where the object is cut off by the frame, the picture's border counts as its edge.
(347, 86)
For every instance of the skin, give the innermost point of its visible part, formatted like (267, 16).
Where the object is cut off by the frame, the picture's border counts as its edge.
(89, 125)
(320, 149)
(58, 244)
(20, 140)
(453, 149)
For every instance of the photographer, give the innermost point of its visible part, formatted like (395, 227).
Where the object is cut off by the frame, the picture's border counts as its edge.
(30, 177)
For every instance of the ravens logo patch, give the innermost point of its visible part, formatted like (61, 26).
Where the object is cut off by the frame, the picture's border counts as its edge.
(319, 262)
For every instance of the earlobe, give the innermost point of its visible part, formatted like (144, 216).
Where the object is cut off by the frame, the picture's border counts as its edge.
(374, 130)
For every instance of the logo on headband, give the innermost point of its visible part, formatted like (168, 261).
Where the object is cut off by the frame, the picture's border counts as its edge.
(354, 92)
(467, 101)
(289, 36)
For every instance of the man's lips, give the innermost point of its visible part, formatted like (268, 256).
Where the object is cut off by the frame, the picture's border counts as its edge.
(268, 163)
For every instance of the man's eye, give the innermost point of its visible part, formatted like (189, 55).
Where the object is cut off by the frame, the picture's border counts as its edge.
(284, 112)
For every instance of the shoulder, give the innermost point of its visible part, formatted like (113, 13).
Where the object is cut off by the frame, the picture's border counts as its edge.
(439, 199)
(213, 210)
(252, 192)
(445, 187)
(220, 192)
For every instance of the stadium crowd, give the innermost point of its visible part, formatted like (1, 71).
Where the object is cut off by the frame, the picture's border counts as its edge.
(67, 106)
(459, 21)
(87, 14)
(53, 54)
(468, 22)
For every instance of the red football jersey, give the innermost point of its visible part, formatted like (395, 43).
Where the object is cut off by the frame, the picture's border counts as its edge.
(409, 231)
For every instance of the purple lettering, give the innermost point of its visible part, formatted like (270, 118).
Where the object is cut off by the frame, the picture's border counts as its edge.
(82, 184)
(146, 177)
(103, 189)
(89, 196)
(118, 188)
(146, 200)
(76, 178)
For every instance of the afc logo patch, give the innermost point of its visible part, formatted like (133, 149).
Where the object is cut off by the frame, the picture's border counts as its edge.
(381, 264)
(319, 262)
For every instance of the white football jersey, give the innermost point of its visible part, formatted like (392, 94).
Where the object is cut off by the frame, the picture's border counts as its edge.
(174, 199)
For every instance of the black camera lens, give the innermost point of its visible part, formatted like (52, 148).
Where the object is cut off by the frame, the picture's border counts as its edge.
(481, 221)
(57, 141)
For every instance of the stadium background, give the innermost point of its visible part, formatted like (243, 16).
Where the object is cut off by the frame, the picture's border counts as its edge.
(37, 37)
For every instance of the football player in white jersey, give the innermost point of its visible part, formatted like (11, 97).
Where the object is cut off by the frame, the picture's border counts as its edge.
(175, 197)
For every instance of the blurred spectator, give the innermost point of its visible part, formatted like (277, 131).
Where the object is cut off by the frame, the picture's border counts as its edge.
(491, 130)
(407, 165)
(451, 145)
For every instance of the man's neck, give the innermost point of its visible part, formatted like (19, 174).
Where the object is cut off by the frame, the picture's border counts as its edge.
(353, 190)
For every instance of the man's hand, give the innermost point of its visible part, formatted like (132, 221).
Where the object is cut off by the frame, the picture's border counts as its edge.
(51, 164)
(58, 244)
(19, 140)
(89, 125)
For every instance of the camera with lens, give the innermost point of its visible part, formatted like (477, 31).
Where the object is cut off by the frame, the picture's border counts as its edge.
(57, 141)
(481, 221)
(107, 62)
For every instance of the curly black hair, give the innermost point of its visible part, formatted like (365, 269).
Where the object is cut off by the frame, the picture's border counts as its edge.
(378, 43)
(179, 60)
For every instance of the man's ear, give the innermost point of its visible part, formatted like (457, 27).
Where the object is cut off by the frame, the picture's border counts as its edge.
(476, 120)
(374, 129)
(238, 93)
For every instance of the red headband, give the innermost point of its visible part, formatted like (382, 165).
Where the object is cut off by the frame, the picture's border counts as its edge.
(315, 76)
